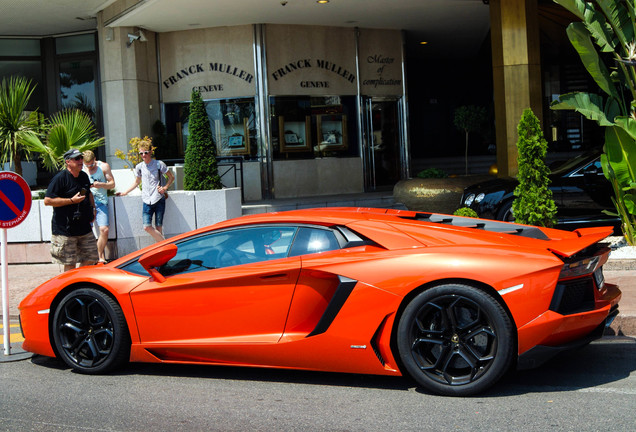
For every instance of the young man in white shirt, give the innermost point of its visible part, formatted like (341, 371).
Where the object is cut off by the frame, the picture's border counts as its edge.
(150, 174)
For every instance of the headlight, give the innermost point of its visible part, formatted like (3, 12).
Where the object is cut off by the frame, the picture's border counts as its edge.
(469, 200)
(480, 197)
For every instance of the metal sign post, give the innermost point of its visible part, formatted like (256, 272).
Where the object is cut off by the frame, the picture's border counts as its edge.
(15, 204)
(5, 292)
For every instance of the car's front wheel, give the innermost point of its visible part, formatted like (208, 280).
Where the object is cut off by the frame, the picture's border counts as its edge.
(505, 212)
(90, 331)
(455, 340)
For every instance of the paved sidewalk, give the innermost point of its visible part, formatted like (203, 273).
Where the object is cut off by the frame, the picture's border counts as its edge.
(25, 277)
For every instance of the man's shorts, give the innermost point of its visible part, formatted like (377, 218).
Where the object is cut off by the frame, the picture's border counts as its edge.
(158, 209)
(101, 215)
(75, 249)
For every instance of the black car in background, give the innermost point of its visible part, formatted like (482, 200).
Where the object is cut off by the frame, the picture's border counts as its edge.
(579, 188)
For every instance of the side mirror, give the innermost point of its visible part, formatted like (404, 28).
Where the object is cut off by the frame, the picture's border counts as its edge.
(156, 258)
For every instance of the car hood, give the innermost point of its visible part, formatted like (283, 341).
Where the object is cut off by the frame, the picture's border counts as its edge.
(506, 184)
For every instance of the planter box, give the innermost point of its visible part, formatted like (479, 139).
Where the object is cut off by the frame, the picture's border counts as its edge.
(185, 211)
(436, 195)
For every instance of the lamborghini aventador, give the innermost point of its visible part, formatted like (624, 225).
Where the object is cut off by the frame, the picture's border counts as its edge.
(453, 302)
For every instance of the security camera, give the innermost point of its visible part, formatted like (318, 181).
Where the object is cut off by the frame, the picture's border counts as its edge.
(283, 3)
(131, 39)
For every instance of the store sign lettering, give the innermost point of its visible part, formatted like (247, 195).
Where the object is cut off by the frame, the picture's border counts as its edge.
(314, 84)
(208, 88)
(309, 63)
(191, 70)
(379, 81)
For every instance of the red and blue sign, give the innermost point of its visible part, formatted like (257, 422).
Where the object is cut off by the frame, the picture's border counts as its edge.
(15, 199)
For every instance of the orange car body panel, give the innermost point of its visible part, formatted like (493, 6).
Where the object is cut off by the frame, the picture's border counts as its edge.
(274, 313)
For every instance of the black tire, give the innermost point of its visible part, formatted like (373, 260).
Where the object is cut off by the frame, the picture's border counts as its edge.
(505, 212)
(455, 340)
(90, 332)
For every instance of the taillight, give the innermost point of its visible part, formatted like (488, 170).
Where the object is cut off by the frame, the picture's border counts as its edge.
(580, 268)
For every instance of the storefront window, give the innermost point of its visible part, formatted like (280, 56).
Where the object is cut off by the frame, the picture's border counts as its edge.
(233, 123)
(305, 127)
(31, 70)
(20, 47)
(75, 44)
(77, 86)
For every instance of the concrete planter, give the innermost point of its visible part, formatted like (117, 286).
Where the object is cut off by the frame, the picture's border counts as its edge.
(185, 211)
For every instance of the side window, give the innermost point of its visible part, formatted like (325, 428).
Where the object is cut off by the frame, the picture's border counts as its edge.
(314, 240)
(230, 248)
(197, 254)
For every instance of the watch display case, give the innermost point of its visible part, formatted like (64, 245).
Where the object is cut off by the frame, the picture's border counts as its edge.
(294, 135)
(331, 132)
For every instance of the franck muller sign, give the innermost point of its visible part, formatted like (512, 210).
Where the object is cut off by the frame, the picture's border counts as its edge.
(223, 68)
(307, 63)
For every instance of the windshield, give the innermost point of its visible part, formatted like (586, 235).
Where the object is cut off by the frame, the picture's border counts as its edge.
(573, 163)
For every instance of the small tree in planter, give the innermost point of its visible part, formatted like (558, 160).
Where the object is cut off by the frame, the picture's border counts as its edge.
(534, 204)
(469, 118)
(201, 170)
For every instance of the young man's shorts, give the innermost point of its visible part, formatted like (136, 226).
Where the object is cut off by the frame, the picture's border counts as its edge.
(74, 249)
(101, 215)
(158, 209)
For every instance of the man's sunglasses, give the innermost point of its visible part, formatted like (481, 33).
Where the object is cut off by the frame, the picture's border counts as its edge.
(144, 152)
(78, 158)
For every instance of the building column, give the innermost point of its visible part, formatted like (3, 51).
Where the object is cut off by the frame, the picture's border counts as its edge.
(129, 87)
(516, 61)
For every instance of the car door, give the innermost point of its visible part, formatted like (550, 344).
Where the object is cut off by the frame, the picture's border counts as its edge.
(221, 287)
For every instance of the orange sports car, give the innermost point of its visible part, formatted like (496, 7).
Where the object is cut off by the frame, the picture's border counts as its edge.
(454, 302)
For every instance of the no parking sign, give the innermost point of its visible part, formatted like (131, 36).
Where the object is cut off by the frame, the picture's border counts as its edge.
(15, 204)
(15, 199)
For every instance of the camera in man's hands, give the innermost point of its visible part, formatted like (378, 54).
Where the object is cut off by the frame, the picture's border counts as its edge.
(77, 215)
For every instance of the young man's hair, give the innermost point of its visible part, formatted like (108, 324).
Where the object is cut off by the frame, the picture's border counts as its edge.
(89, 156)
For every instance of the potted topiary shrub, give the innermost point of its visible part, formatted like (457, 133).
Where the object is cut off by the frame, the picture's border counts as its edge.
(201, 169)
(533, 204)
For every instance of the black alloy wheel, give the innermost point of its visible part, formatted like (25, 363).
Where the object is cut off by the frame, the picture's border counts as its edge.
(455, 340)
(90, 332)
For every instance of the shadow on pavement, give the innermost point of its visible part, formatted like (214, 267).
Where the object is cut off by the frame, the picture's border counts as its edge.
(600, 363)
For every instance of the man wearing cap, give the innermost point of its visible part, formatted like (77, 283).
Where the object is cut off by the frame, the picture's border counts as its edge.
(72, 239)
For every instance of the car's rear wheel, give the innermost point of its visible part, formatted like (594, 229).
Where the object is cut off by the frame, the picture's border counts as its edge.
(455, 340)
(90, 331)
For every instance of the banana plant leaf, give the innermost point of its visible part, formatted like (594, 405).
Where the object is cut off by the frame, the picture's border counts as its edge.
(576, 7)
(620, 154)
(581, 40)
(590, 105)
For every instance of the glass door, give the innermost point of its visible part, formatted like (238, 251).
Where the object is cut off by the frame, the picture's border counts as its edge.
(382, 143)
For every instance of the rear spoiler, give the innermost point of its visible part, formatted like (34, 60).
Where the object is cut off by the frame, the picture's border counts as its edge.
(586, 237)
